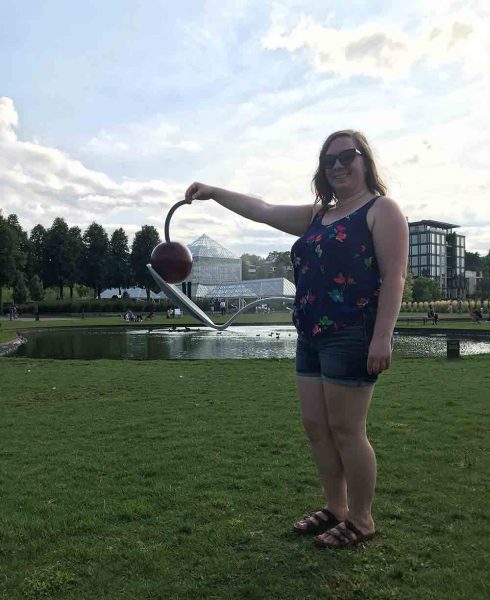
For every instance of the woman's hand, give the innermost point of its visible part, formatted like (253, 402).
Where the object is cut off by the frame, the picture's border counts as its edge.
(198, 191)
(379, 355)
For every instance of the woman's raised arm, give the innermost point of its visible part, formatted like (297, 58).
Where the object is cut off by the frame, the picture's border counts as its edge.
(292, 219)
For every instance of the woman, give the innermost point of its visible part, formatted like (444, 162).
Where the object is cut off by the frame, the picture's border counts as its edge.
(350, 263)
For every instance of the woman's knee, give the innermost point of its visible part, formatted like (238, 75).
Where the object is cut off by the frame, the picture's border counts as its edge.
(345, 435)
(315, 429)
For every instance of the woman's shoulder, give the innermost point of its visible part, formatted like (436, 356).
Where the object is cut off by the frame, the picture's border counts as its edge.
(384, 205)
(383, 209)
(384, 201)
(317, 211)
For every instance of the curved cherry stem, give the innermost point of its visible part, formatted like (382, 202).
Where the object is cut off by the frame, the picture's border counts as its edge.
(169, 216)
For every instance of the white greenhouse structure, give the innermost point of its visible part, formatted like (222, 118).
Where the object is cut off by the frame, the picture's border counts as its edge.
(212, 263)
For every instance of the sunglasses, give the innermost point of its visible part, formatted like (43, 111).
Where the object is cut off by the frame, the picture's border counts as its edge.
(345, 158)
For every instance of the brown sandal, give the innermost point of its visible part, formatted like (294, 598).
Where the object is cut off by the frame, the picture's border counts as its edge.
(317, 522)
(346, 534)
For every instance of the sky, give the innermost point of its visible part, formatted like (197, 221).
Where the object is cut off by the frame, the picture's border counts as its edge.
(109, 110)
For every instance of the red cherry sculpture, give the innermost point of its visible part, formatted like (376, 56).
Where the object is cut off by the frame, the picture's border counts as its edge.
(172, 261)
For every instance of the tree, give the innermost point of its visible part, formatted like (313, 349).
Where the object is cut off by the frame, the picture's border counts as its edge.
(426, 289)
(408, 288)
(144, 242)
(74, 259)
(82, 290)
(280, 264)
(95, 256)
(35, 251)
(20, 288)
(473, 261)
(119, 267)
(484, 286)
(12, 255)
(56, 255)
(251, 264)
(22, 240)
(36, 290)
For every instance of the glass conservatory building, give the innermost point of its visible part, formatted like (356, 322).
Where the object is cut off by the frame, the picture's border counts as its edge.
(217, 274)
(212, 263)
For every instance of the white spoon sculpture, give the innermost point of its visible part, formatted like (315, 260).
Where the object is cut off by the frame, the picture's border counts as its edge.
(173, 293)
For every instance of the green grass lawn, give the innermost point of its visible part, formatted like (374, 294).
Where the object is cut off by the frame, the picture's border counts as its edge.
(181, 479)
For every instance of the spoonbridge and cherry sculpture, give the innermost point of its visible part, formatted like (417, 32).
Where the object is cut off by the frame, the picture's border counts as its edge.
(171, 263)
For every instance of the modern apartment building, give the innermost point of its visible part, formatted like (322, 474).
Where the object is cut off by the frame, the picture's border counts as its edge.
(436, 251)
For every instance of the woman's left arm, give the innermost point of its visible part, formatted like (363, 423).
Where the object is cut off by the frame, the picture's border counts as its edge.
(390, 236)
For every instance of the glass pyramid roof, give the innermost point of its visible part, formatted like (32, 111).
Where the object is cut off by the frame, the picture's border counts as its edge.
(205, 246)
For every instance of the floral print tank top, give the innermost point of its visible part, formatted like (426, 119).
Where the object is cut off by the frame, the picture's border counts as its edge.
(336, 273)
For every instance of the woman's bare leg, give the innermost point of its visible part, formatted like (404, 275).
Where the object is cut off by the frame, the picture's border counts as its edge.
(326, 455)
(347, 409)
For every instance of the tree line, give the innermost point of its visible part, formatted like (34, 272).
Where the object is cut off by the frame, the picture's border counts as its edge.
(61, 256)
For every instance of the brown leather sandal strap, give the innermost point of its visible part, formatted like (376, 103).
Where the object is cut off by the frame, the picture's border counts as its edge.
(339, 534)
(315, 517)
(350, 526)
(329, 516)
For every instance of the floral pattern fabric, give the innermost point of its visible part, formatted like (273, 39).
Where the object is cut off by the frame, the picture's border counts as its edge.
(336, 273)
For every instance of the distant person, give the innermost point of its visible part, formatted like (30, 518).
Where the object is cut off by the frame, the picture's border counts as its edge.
(477, 315)
(349, 266)
(430, 313)
(12, 312)
(222, 306)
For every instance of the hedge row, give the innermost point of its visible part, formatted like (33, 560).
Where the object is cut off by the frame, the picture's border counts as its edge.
(446, 306)
(92, 306)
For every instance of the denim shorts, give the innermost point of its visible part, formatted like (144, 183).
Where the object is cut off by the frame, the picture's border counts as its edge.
(339, 356)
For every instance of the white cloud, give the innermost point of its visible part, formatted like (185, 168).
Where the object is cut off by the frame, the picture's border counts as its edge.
(142, 139)
(264, 140)
(382, 50)
(40, 183)
(8, 119)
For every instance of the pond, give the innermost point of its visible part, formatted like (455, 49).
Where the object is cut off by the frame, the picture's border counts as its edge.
(194, 343)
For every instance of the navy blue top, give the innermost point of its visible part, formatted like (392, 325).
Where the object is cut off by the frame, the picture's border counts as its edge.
(336, 273)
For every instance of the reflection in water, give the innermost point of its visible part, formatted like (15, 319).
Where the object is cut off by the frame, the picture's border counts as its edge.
(235, 342)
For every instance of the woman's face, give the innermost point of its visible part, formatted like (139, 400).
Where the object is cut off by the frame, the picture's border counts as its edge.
(345, 179)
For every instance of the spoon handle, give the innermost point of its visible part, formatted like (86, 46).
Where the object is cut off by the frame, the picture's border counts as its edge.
(169, 216)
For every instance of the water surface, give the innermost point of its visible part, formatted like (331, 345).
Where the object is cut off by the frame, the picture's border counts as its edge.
(236, 342)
